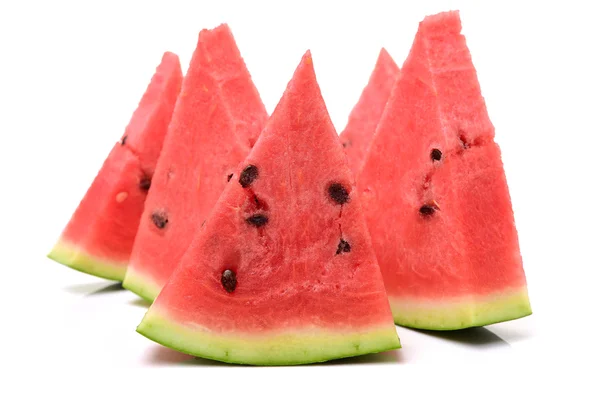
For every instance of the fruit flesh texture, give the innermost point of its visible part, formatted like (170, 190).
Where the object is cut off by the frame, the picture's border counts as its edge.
(217, 119)
(146, 131)
(367, 112)
(461, 265)
(296, 300)
(100, 234)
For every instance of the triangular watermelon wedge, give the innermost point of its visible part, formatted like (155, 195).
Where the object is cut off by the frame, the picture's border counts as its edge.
(365, 115)
(283, 271)
(216, 121)
(435, 194)
(99, 236)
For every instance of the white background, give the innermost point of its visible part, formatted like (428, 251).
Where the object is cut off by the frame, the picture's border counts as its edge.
(72, 73)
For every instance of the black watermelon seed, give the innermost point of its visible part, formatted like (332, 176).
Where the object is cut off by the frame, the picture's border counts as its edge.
(345, 144)
(248, 175)
(428, 209)
(343, 246)
(436, 155)
(338, 193)
(160, 219)
(257, 220)
(123, 140)
(145, 183)
(229, 177)
(228, 280)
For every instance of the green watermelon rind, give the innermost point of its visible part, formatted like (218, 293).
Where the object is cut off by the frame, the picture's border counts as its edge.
(78, 259)
(141, 285)
(291, 348)
(471, 311)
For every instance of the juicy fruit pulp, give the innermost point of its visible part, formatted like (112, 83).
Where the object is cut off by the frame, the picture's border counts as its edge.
(217, 119)
(367, 112)
(99, 236)
(281, 291)
(450, 259)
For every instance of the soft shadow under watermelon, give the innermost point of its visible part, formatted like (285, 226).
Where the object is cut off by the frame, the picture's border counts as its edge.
(93, 288)
(113, 287)
(476, 336)
(163, 356)
(387, 357)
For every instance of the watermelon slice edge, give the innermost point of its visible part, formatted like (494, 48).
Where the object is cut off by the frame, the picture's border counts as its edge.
(293, 348)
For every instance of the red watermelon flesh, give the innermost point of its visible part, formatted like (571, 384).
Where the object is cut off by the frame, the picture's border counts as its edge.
(100, 234)
(436, 197)
(146, 131)
(217, 119)
(366, 114)
(283, 271)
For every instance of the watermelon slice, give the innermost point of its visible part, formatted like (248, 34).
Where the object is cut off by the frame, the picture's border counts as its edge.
(100, 234)
(435, 194)
(283, 271)
(366, 114)
(216, 121)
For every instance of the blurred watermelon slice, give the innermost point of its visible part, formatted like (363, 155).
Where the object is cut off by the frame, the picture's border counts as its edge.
(367, 112)
(100, 234)
(435, 195)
